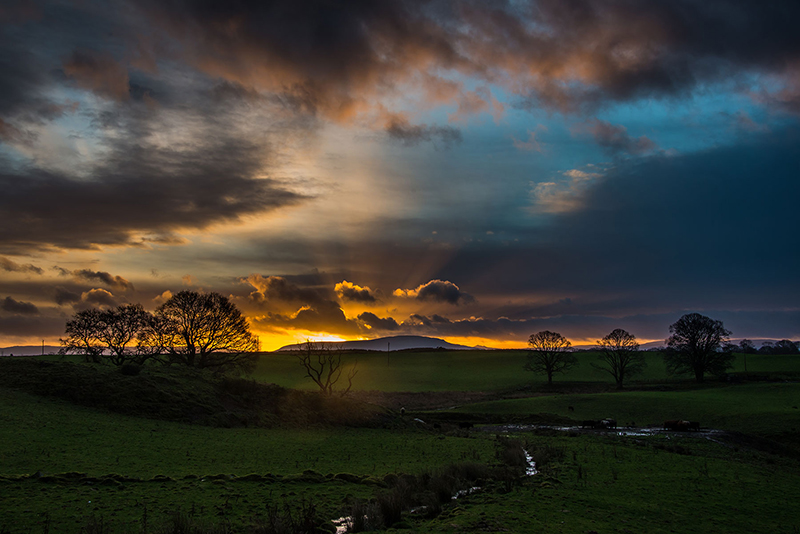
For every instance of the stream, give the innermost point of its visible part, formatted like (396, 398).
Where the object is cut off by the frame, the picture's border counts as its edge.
(343, 524)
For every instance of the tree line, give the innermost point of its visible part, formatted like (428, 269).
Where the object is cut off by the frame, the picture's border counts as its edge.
(203, 330)
(697, 345)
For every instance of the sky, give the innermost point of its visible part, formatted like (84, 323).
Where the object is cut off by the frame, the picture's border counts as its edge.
(474, 171)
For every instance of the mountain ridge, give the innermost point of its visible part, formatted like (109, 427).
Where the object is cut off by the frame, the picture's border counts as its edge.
(389, 343)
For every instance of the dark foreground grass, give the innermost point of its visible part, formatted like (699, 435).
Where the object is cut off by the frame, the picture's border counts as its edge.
(60, 462)
(640, 485)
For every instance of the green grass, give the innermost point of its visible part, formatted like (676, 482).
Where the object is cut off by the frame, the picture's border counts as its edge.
(54, 437)
(484, 370)
(769, 409)
(640, 485)
(657, 484)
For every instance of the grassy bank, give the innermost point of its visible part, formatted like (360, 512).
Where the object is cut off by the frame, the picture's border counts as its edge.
(490, 370)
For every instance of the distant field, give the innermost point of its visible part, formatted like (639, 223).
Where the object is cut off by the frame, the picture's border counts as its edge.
(769, 409)
(482, 370)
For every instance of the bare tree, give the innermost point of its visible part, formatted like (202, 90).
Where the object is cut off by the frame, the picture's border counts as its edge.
(154, 339)
(620, 356)
(83, 335)
(323, 365)
(207, 330)
(698, 345)
(117, 328)
(549, 354)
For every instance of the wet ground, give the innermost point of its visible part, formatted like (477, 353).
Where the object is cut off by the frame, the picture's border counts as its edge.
(708, 433)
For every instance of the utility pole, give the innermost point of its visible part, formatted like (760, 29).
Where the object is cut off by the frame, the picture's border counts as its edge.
(388, 350)
(43, 347)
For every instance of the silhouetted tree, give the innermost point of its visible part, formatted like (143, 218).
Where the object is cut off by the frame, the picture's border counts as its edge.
(767, 347)
(697, 345)
(83, 335)
(323, 365)
(117, 328)
(154, 338)
(620, 356)
(206, 330)
(785, 346)
(549, 354)
(747, 347)
(107, 335)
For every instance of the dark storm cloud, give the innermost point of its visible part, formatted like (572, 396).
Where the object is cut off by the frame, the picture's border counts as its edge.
(614, 138)
(567, 55)
(98, 296)
(629, 50)
(437, 291)
(101, 276)
(23, 308)
(324, 317)
(351, 292)
(374, 322)
(21, 91)
(710, 230)
(11, 267)
(278, 289)
(139, 190)
(65, 296)
(413, 134)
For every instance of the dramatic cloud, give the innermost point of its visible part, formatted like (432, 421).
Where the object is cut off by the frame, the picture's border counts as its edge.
(139, 193)
(23, 308)
(277, 288)
(605, 161)
(65, 296)
(11, 267)
(563, 55)
(614, 138)
(325, 317)
(99, 297)
(374, 322)
(100, 276)
(351, 292)
(437, 291)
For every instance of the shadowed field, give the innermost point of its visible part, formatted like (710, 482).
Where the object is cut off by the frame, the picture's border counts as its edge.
(80, 459)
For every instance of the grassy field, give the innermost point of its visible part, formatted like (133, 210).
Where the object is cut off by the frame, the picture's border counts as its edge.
(66, 468)
(484, 370)
(766, 409)
(53, 437)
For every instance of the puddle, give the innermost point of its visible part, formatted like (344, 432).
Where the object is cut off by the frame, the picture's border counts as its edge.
(619, 431)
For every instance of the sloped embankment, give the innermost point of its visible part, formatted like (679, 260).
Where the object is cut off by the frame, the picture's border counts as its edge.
(183, 395)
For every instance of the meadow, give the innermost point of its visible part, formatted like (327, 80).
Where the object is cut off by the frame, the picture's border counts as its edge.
(489, 370)
(73, 468)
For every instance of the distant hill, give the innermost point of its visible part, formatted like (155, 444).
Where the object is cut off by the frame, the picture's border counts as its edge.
(29, 350)
(387, 343)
